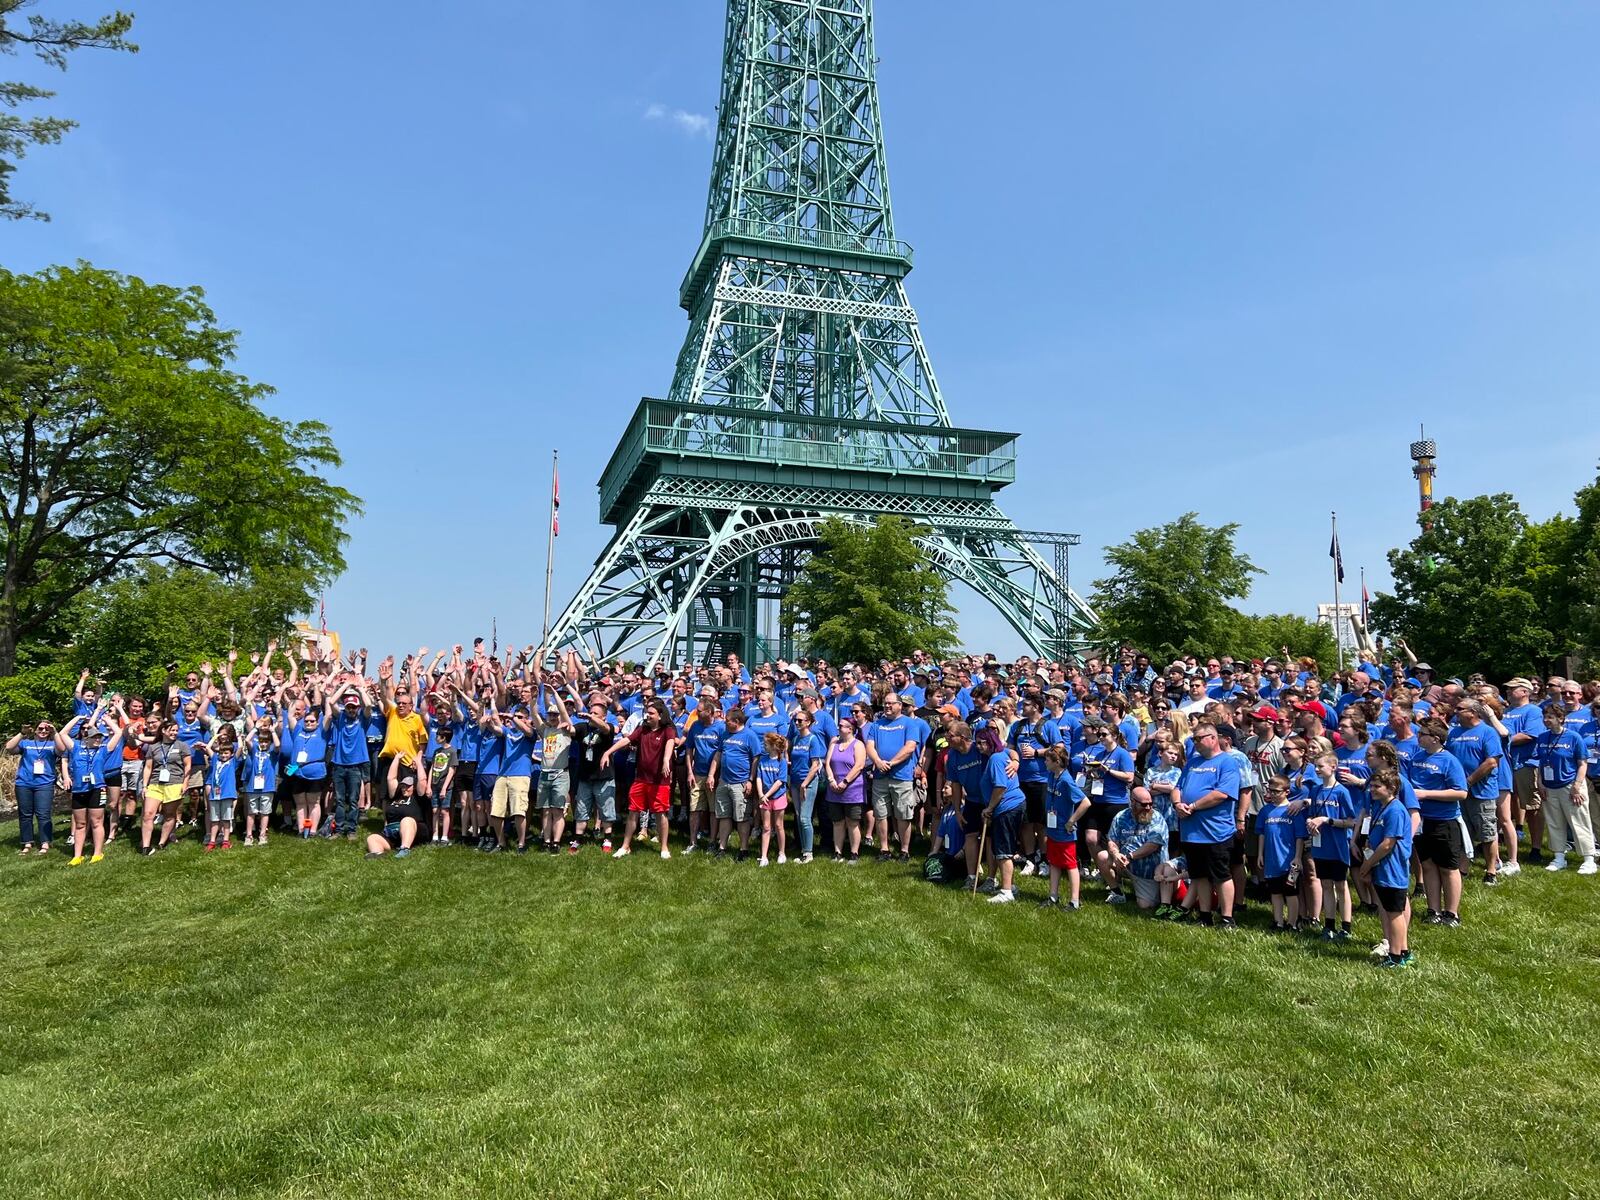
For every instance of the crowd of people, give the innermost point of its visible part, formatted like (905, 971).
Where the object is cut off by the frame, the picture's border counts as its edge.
(1183, 789)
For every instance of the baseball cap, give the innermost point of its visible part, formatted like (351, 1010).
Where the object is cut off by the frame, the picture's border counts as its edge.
(1265, 713)
(951, 711)
(1520, 682)
(1422, 667)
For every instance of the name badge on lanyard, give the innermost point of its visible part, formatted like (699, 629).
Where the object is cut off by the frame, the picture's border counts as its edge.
(164, 776)
(38, 766)
(301, 757)
(258, 783)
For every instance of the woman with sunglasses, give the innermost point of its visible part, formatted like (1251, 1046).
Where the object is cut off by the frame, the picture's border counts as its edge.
(37, 775)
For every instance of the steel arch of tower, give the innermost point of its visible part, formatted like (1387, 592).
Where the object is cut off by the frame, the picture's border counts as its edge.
(803, 389)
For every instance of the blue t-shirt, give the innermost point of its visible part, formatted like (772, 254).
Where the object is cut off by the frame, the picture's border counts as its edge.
(1105, 788)
(966, 768)
(739, 753)
(348, 734)
(1436, 772)
(1472, 747)
(994, 776)
(516, 749)
(1354, 760)
(773, 774)
(889, 737)
(804, 751)
(306, 749)
(1061, 801)
(1335, 803)
(260, 769)
(491, 752)
(222, 778)
(1040, 736)
(1392, 821)
(1591, 739)
(86, 766)
(950, 832)
(38, 766)
(777, 723)
(1201, 776)
(1560, 753)
(705, 741)
(1524, 718)
(1279, 829)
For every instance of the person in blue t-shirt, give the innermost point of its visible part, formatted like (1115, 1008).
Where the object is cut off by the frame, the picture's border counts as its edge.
(1108, 773)
(949, 838)
(807, 749)
(1065, 806)
(892, 750)
(1136, 850)
(38, 772)
(1478, 748)
(345, 718)
(1031, 737)
(1563, 773)
(222, 790)
(732, 768)
(771, 784)
(1004, 809)
(1208, 796)
(1387, 866)
(1523, 724)
(88, 756)
(1330, 823)
(260, 767)
(1283, 840)
(1440, 785)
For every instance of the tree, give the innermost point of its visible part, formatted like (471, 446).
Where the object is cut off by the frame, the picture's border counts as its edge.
(1474, 592)
(1269, 635)
(1171, 586)
(125, 439)
(870, 592)
(51, 39)
(1579, 566)
(129, 628)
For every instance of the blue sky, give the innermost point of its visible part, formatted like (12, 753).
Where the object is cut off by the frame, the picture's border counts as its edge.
(1221, 257)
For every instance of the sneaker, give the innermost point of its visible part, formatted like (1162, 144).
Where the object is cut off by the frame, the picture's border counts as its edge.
(665, 853)
(372, 854)
(552, 847)
(94, 858)
(1050, 902)
(1116, 898)
(853, 861)
(1508, 869)
(1381, 950)
(1490, 881)
(77, 860)
(802, 860)
(250, 841)
(1587, 867)
(762, 863)
(1558, 863)
(621, 852)
(402, 852)
(1327, 935)
(1027, 868)
(605, 846)
(227, 845)
(1450, 920)
(1408, 959)
(1433, 918)
(1074, 905)
(1003, 897)
(1163, 911)
(838, 858)
(209, 847)
(903, 856)
(782, 858)
(493, 848)
(147, 851)
(1535, 856)
(1388, 962)
(885, 856)
(1227, 925)
(989, 887)
(690, 848)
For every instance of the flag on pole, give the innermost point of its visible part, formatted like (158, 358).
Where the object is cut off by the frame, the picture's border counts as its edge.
(555, 501)
(1365, 600)
(494, 634)
(1338, 558)
(322, 605)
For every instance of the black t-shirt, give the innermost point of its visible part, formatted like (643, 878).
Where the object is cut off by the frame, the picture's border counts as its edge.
(398, 807)
(589, 743)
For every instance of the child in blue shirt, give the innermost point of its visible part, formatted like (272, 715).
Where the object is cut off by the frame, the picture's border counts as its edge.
(1065, 804)
(947, 862)
(1331, 821)
(1283, 839)
(222, 791)
(1387, 867)
(772, 791)
(260, 767)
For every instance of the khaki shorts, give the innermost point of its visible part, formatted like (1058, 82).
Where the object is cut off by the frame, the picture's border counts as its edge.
(1522, 781)
(510, 797)
(896, 793)
(700, 797)
(731, 802)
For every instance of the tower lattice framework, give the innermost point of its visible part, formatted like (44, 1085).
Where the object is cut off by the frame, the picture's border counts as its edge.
(803, 390)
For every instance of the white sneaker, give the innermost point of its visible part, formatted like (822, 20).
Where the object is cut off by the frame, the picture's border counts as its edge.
(1510, 868)
(762, 863)
(621, 852)
(1558, 863)
(1027, 868)
(665, 853)
(782, 858)
(1587, 867)
(691, 849)
(1381, 950)
(1003, 897)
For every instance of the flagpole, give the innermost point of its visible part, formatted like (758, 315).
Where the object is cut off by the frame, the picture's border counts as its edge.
(550, 547)
(1338, 613)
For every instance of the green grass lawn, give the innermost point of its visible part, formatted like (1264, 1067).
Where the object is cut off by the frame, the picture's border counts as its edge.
(296, 1021)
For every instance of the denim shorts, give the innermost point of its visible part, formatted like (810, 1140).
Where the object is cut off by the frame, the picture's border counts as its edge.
(589, 793)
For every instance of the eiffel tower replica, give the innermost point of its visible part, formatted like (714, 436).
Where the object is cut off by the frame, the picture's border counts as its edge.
(803, 390)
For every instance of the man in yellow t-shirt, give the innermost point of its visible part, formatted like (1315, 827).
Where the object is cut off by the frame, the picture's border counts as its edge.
(407, 732)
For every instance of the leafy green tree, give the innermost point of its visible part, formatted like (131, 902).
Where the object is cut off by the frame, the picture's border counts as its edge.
(1474, 592)
(1579, 567)
(1171, 585)
(871, 592)
(134, 625)
(52, 40)
(35, 692)
(126, 439)
(1268, 636)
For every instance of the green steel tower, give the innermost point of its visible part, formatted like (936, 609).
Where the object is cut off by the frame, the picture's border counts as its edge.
(803, 389)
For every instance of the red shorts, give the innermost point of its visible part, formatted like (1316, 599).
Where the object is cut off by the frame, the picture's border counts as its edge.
(649, 797)
(1061, 854)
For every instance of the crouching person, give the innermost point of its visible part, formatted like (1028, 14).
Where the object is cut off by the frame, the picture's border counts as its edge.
(1136, 846)
(402, 815)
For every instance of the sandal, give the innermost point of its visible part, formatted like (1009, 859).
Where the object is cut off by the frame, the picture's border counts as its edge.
(26, 850)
